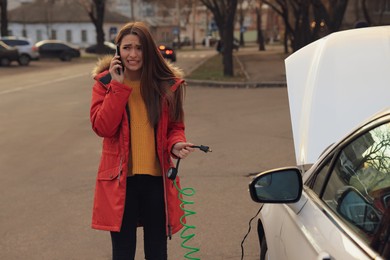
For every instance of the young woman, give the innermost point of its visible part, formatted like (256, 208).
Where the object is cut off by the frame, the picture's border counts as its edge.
(137, 107)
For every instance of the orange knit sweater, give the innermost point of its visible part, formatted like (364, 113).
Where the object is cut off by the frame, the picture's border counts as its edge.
(143, 156)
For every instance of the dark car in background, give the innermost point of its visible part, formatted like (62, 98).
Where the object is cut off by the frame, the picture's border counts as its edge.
(25, 46)
(57, 49)
(8, 54)
(109, 48)
(167, 52)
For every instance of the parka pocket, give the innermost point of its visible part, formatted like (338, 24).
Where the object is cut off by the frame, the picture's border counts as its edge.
(109, 175)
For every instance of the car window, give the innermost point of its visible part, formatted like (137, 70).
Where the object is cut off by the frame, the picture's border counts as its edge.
(358, 190)
(7, 42)
(316, 182)
(15, 42)
(49, 46)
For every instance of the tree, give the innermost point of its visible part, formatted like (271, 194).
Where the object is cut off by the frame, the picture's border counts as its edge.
(95, 10)
(4, 18)
(224, 12)
(332, 15)
(260, 35)
(304, 19)
(281, 7)
(241, 22)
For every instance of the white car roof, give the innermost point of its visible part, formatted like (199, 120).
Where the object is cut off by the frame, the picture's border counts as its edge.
(334, 84)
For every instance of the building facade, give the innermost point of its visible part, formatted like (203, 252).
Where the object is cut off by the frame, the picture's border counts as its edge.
(63, 20)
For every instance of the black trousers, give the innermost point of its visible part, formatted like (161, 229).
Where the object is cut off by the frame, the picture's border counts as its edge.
(145, 205)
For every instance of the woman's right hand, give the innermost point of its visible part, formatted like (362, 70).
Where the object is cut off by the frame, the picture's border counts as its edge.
(116, 66)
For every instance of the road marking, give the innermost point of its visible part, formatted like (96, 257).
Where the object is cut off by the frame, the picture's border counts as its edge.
(42, 83)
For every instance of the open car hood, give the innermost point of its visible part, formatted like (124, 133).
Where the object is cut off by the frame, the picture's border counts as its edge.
(334, 84)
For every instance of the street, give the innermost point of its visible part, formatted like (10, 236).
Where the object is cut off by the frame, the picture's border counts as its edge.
(50, 156)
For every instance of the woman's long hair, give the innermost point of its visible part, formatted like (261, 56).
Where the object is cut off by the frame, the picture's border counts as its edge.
(155, 76)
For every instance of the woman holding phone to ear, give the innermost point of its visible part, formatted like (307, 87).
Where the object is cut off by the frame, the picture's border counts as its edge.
(137, 107)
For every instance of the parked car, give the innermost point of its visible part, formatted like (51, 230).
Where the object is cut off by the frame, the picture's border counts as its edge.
(167, 52)
(57, 49)
(7, 54)
(109, 48)
(27, 51)
(335, 204)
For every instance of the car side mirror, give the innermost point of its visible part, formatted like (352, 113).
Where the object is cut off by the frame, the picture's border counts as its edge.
(277, 186)
(353, 207)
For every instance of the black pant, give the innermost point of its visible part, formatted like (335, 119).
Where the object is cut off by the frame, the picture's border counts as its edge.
(145, 205)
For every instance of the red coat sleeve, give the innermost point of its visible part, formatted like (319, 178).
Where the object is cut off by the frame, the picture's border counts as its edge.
(108, 106)
(175, 134)
(176, 130)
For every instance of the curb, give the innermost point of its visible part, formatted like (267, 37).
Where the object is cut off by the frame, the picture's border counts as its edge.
(222, 84)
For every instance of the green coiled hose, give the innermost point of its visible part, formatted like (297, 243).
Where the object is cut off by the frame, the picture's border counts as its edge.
(187, 192)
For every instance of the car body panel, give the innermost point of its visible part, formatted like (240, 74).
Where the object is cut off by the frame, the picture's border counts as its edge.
(109, 48)
(340, 113)
(318, 232)
(333, 82)
(7, 54)
(309, 229)
(57, 49)
(307, 235)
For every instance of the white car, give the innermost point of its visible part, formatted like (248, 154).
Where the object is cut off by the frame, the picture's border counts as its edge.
(335, 204)
(27, 51)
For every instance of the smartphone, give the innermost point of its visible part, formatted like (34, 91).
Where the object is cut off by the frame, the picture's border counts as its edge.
(118, 54)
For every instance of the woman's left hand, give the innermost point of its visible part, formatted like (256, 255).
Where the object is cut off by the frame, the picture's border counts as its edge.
(182, 150)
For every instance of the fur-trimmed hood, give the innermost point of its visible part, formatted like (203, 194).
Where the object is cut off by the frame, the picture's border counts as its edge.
(103, 64)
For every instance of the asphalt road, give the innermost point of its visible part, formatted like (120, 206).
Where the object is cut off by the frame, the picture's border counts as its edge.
(49, 157)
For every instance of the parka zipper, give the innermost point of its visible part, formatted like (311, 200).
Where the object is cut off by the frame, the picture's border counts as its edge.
(168, 226)
(120, 171)
(123, 141)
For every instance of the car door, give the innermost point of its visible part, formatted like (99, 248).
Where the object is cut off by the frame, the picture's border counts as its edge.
(46, 50)
(57, 49)
(346, 215)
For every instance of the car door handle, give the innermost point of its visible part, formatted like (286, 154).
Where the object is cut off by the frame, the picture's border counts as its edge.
(323, 256)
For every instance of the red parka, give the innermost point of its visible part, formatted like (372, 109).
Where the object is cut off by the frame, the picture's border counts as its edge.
(110, 120)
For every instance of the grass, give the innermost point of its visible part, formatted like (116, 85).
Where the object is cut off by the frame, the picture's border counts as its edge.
(212, 69)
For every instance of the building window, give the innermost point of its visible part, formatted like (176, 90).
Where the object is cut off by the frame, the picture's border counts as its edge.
(68, 35)
(84, 37)
(54, 34)
(24, 33)
(39, 35)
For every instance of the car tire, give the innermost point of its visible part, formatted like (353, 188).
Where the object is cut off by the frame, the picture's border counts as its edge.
(24, 60)
(66, 57)
(263, 249)
(5, 62)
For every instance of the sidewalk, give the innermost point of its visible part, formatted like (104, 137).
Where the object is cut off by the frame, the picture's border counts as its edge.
(261, 68)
